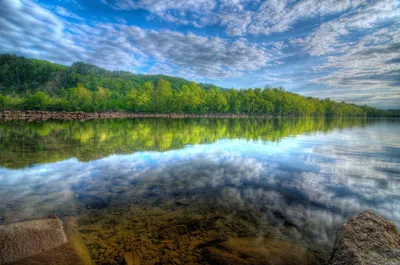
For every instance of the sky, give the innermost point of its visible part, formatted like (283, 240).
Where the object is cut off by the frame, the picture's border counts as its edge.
(346, 50)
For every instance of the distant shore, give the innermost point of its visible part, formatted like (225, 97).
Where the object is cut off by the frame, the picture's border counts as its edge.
(32, 115)
(79, 115)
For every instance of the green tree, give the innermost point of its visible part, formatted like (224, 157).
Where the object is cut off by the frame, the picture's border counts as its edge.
(190, 98)
(162, 96)
(2, 102)
(101, 99)
(140, 100)
(38, 101)
(80, 98)
(235, 103)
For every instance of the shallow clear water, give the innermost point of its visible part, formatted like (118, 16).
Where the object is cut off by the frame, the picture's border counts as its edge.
(297, 179)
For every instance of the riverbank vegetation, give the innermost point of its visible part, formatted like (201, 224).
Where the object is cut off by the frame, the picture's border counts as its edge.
(28, 84)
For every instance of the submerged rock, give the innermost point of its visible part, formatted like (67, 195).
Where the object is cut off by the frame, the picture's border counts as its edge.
(367, 239)
(132, 258)
(45, 241)
(243, 251)
(92, 202)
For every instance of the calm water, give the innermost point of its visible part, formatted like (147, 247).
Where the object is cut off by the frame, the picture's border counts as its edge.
(297, 179)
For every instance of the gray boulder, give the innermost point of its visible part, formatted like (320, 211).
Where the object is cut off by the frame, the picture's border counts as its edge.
(46, 241)
(24, 239)
(367, 239)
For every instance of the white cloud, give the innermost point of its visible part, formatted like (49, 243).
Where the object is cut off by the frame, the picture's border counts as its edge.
(62, 11)
(29, 29)
(161, 6)
(279, 16)
(240, 17)
(326, 39)
(75, 3)
(209, 57)
(26, 31)
(275, 78)
(368, 67)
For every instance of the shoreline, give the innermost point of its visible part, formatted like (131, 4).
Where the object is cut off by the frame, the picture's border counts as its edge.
(32, 115)
(38, 115)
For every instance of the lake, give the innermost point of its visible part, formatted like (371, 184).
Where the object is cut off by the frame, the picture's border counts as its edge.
(156, 184)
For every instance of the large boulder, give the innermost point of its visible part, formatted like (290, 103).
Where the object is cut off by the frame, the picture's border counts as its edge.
(24, 239)
(365, 240)
(45, 241)
(254, 251)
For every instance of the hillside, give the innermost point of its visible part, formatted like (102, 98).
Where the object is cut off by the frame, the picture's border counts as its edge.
(29, 84)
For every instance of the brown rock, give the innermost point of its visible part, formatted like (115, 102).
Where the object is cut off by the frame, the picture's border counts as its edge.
(132, 258)
(75, 241)
(254, 251)
(193, 245)
(45, 115)
(128, 256)
(366, 239)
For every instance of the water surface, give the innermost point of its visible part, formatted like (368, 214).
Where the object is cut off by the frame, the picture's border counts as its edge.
(140, 180)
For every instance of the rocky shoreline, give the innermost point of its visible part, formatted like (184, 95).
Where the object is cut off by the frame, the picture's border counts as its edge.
(80, 115)
(366, 239)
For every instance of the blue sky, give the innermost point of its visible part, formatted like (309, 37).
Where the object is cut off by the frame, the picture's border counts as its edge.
(342, 49)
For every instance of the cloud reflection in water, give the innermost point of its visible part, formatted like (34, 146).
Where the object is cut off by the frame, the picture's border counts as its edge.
(311, 183)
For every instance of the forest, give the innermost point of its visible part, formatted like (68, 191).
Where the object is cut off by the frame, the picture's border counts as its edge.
(30, 84)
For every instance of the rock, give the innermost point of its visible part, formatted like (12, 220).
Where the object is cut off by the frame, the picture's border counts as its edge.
(176, 261)
(24, 239)
(193, 244)
(119, 189)
(74, 252)
(244, 251)
(195, 233)
(109, 252)
(92, 202)
(366, 239)
(82, 116)
(75, 242)
(153, 261)
(120, 182)
(132, 258)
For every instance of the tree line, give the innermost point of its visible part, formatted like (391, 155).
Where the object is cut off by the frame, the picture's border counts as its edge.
(27, 84)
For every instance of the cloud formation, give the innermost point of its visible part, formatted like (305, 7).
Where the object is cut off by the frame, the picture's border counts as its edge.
(243, 17)
(209, 57)
(342, 49)
(325, 39)
(34, 31)
(27, 28)
(62, 11)
(279, 16)
(366, 70)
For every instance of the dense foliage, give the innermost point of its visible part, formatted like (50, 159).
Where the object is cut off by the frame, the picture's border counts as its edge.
(27, 84)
